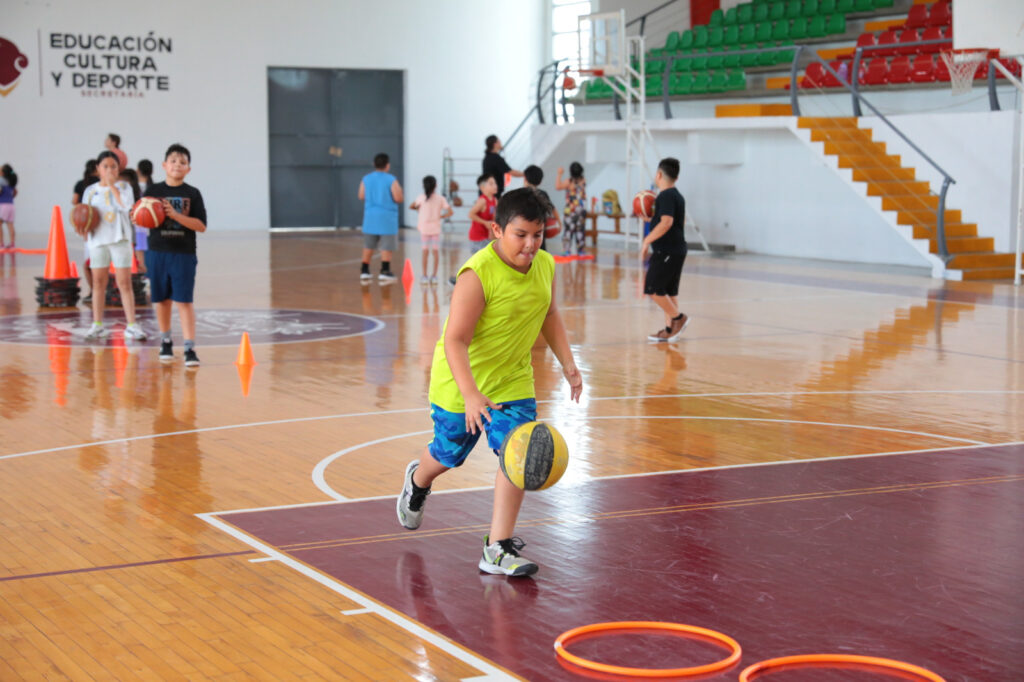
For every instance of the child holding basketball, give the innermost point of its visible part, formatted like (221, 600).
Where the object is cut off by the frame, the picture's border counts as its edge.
(433, 208)
(575, 187)
(667, 246)
(481, 378)
(111, 244)
(171, 256)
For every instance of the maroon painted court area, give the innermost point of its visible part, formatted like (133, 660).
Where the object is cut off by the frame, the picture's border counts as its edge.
(917, 557)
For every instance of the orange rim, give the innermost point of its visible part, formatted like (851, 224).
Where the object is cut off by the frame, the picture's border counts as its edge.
(717, 637)
(828, 659)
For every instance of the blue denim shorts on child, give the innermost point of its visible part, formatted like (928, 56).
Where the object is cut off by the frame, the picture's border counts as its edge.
(452, 443)
(171, 276)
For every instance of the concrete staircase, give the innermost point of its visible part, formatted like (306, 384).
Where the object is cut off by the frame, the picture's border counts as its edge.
(906, 202)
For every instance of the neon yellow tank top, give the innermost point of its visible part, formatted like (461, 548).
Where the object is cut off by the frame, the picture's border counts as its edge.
(499, 354)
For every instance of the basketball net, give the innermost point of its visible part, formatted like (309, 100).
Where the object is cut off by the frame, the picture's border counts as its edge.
(962, 65)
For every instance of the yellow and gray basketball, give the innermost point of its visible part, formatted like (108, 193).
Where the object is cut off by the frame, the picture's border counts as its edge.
(533, 456)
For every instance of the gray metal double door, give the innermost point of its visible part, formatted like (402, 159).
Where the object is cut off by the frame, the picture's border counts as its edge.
(326, 125)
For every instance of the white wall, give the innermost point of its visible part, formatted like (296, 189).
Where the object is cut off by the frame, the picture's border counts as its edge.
(469, 68)
(675, 17)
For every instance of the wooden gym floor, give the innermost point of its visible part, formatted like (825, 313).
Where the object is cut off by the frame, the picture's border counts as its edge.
(156, 523)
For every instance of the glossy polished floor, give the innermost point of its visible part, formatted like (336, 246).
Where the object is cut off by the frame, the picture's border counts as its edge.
(157, 523)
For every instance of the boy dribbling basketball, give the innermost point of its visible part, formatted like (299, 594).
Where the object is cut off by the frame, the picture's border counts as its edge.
(482, 378)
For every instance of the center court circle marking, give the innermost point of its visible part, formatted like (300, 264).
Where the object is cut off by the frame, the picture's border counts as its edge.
(826, 660)
(731, 644)
(321, 483)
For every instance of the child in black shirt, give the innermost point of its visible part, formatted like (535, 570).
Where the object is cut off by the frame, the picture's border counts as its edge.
(667, 246)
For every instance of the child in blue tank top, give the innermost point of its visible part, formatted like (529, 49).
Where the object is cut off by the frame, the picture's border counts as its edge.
(381, 195)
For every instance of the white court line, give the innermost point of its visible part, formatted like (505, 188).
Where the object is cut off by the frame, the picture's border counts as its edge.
(321, 483)
(296, 420)
(410, 626)
(262, 560)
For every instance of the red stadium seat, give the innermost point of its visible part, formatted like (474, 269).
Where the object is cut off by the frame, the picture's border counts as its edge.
(918, 17)
(909, 36)
(840, 67)
(899, 70)
(941, 70)
(932, 33)
(923, 69)
(814, 76)
(866, 40)
(877, 72)
(940, 15)
(1012, 65)
(890, 37)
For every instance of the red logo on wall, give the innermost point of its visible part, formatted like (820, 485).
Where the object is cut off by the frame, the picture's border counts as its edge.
(12, 63)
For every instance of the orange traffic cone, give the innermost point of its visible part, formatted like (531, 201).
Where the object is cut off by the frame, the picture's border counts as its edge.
(74, 270)
(407, 279)
(120, 354)
(56, 249)
(135, 265)
(245, 356)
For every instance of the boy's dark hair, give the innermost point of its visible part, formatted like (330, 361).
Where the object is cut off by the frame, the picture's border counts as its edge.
(490, 142)
(9, 175)
(576, 170)
(115, 138)
(177, 148)
(533, 175)
(526, 203)
(669, 167)
(429, 185)
(146, 168)
(107, 154)
(380, 162)
(90, 169)
(484, 178)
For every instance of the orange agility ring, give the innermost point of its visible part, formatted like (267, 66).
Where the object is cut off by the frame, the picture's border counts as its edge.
(824, 660)
(717, 637)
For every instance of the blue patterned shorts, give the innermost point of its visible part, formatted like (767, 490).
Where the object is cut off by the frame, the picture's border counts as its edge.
(452, 443)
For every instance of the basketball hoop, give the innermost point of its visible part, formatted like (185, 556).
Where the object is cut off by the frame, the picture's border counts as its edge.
(962, 65)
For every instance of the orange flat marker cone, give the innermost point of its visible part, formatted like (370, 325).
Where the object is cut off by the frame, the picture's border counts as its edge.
(60, 362)
(245, 357)
(407, 274)
(74, 270)
(56, 249)
(120, 354)
(245, 378)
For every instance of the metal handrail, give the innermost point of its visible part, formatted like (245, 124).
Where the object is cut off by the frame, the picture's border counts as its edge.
(860, 49)
(541, 94)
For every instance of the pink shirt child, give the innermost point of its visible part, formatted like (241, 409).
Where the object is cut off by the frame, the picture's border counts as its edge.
(430, 213)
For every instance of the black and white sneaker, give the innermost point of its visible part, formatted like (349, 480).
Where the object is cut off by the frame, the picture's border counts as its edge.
(503, 558)
(386, 277)
(166, 351)
(410, 502)
(191, 359)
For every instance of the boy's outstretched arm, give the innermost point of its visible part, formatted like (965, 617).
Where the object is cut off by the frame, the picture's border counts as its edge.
(554, 333)
(467, 305)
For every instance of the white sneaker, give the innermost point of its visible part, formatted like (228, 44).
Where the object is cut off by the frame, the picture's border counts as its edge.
(433, 280)
(97, 331)
(365, 277)
(387, 277)
(424, 280)
(134, 331)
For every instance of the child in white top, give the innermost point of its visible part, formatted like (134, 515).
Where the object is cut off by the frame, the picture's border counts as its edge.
(433, 208)
(111, 242)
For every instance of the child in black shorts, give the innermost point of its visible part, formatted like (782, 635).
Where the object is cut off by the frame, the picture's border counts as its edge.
(171, 259)
(667, 246)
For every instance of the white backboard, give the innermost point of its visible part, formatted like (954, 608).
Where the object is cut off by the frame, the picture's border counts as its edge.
(992, 24)
(602, 40)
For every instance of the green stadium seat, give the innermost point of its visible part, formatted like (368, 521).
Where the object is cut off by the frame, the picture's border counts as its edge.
(810, 8)
(777, 12)
(681, 64)
(716, 61)
(736, 80)
(781, 30)
(827, 7)
(717, 18)
(672, 42)
(798, 31)
(730, 17)
(863, 5)
(699, 64)
(794, 9)
(844, 6)
(836, 24)
(744, 13)
(700, 37)
(785, 56)
(680, 84)
(748, 34)
(764, 32)
(716, 36)
(880, 4)
(654, 87)
(718, 81)
(760, 13)
(686, 40)
(731, 60)
(816, 28)
(654, 65)
(700, 83)
(732, 35)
